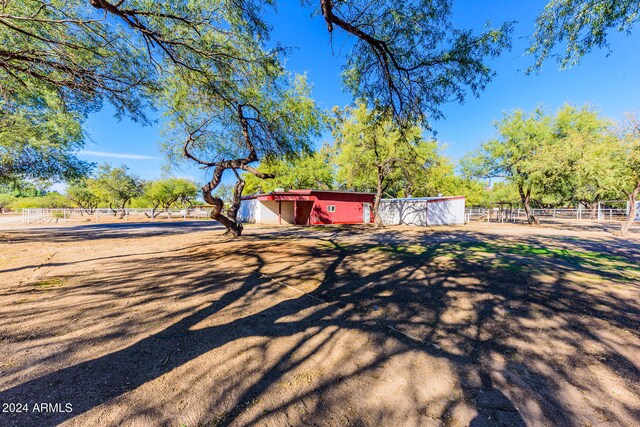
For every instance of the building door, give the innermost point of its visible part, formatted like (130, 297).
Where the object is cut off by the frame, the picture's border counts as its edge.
(303, 212)
(366, 213)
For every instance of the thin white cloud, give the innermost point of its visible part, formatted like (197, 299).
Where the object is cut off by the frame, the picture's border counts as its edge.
(116, 155)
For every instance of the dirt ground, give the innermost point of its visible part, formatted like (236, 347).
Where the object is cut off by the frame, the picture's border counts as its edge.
(173, 324)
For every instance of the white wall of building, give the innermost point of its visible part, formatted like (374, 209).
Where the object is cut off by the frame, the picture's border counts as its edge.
(248, 211)
(265, 212)
(422, 211)
(412, 211)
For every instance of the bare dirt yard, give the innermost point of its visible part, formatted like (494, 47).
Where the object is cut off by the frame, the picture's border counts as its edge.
(173, 324)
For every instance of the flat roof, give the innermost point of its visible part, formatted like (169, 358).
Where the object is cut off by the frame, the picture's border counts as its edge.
(305, 192)
(411, 199)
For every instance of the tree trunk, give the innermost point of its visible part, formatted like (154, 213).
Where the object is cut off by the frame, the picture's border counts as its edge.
(229, 221)
(122, 211)
(633, 196)
(594, 210)
(526, 201)
(233, 228)
(376, 203)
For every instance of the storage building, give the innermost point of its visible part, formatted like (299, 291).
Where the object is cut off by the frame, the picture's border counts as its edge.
(307, 207)
(423, 211)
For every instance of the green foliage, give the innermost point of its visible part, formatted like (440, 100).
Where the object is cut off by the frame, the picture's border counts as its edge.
(116, 186)
(307, 171)
(21, 188)
(440, 179)
(6, 200)
(582, 157)
(62, 59)
(501, 192)
(371, 150)
(205, 62)
(626, 157)
(82, 195)
(49, 200)
(91, 51)
(409, 58)
(561, 159)
(170, 192)
(38, 137)
(281, 114)
(579, 26)
(516, 154)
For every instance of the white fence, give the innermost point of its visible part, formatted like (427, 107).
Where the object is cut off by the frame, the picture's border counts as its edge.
(30, 216)
(515, 215)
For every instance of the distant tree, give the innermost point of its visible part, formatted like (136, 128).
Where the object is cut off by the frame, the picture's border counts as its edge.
(581, 155)
(225, 193)
(474, 190)
(51, 199)
(23, 188)
(5, 202)
(83, 195)
(116, 186)
(627, 167)
(169, 192)
(374, 154)
(440, 178)
(309, 170)
(578, 26)
(522, 154)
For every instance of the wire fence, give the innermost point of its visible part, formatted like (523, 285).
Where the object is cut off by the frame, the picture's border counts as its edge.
(31, 216)
(516, 215)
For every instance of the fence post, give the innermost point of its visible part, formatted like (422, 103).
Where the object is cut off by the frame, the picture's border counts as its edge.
(600, 213)
(96, 215)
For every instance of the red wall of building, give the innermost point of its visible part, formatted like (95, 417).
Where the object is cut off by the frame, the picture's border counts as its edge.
(349, 208)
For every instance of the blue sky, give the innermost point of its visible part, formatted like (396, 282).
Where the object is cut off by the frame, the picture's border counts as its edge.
(609, 83)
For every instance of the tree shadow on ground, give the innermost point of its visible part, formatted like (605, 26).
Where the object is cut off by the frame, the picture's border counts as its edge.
(112, 230)
(517, 334)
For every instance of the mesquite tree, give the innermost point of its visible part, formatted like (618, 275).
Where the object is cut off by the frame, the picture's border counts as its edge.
(627, 167)
(409, 58)
(578, 26)
(374, 153)
(116, 186)
(271, 115)
(60, 60)
(81, 194)
(310, 170)
(169, 192)
(519, 154)
(579, 166)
